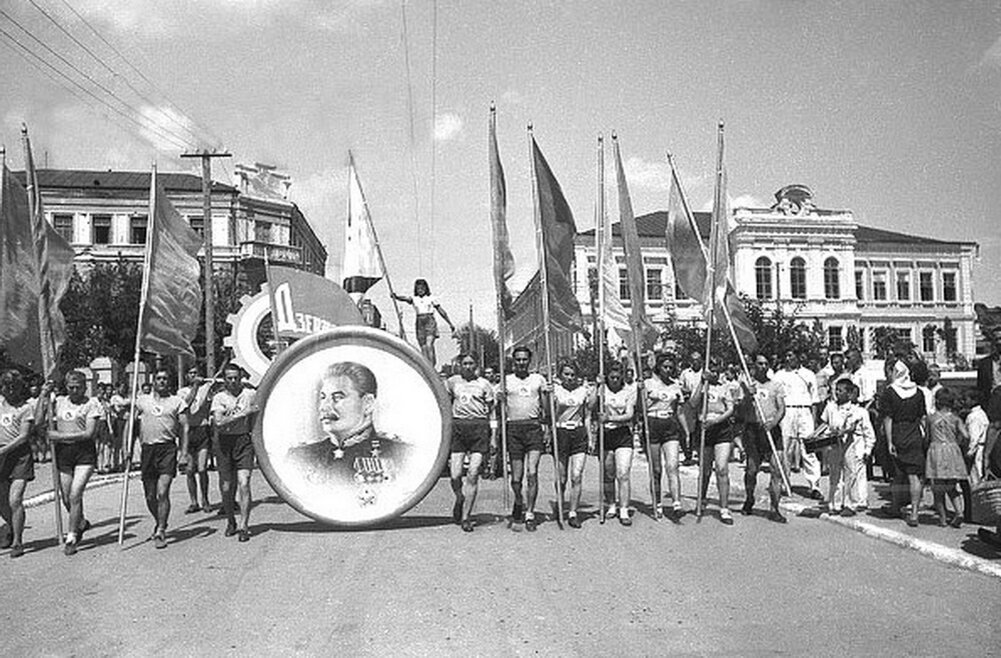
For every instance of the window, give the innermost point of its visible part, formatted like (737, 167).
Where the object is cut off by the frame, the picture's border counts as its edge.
(797, 278)
(763, 278)
(832, 279)
(101, 229)
(925, 287)
(904, 334)
(654, 288)
(834, 341)
(262, 232)
(678, 292)
(64, 226)
(859, 285)
(904, 286)
(624, 292)
(928, 339)
(949, 286)
(137, 229)
(879, 286)
(197, 225)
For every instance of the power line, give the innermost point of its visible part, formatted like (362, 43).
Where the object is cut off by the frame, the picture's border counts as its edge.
(112, 71)
(413, 141)
(184, 142)
(434, 117)
(205, 130)
(173, 139)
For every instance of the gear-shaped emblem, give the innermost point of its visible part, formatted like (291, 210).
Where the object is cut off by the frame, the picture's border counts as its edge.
(246, 323)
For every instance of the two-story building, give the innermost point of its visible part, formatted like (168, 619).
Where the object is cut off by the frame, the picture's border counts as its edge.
(820, 264)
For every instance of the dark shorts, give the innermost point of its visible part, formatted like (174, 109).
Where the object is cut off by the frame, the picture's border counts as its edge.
(720, 433)
(618, 437)
(18, 464)
(78, 453)
(236, 453)
(427, 327)
(158, 459)
(470, 435)
(756, 442)
(663, 430)
(198, 439)
(571, 442)
(523, 438)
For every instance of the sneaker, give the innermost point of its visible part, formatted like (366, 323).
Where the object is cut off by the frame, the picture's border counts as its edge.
(748, 507)
(816, 495)
(531, 524)
(244, 536)
(16, 550)
(776, 516)
(612, 511)
(467, 526)
(726, 517)
(625, 520)
(192, 508)
(159, 541)
(676, 511)
(957, 521)
(69, 548)
(847, 512)
(84, 527)
(230, 530)
(573, 521)
(518, 513)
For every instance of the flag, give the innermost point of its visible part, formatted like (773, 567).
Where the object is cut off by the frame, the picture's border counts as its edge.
(689, 258)
(635, 273)
(615, 316)
(172, 300)
(362, 267)
(36, 264)
(306, 303)
(558, 232)
(503, 258)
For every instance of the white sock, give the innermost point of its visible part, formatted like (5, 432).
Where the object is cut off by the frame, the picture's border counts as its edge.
(529, 515)
(70, 537)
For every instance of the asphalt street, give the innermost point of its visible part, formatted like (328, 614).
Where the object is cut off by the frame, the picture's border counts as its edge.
(420, 586)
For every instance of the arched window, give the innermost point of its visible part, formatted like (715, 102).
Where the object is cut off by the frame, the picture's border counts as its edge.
(832, 278)
(797, 278)
(763, 278)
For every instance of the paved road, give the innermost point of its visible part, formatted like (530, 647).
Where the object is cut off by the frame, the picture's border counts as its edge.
(423, 587)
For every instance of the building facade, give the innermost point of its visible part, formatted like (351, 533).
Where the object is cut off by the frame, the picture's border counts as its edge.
(104, 215)
(820, 264)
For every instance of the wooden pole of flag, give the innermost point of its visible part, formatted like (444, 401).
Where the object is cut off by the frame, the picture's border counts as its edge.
(546, 333)
(45, 330)
(599, 241)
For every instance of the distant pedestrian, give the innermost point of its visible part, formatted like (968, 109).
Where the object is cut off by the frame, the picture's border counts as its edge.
(17, 464)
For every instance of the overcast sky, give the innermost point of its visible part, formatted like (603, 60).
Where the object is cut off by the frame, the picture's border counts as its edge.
(889, 109)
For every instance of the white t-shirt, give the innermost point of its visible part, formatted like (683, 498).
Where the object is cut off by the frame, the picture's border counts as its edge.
(425, 305)
(618, 403)
(799, 387)
(571, 406)
(524, 396)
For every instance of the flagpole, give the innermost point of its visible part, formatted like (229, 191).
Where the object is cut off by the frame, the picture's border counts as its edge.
(729, 319)
(636, 330)
(144, 291)
(546, 333)
(44, 319)
(599, 239)
(378, 247)
(710, 301)
(501, 348)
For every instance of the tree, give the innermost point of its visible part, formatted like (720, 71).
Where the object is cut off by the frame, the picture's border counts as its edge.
(887, 342)
(474, 339)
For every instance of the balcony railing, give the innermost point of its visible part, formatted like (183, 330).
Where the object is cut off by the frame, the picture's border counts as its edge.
(276, 253)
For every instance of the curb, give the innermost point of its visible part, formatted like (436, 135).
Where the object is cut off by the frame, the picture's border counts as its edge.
(951, 556)
(94, 483)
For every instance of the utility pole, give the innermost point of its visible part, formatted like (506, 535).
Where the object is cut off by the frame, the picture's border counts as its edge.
(208, 291)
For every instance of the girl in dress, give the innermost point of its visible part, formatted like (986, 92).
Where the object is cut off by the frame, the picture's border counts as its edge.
(944, 464)
(427, 327)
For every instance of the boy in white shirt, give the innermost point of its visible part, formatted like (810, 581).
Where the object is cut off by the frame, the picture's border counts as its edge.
(851, 425)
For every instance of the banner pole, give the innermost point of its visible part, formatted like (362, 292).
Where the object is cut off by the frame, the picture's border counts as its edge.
(599, 239)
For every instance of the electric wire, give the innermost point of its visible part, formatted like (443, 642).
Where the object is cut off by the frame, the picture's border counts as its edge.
(434, 122)
(159, 129)
(413, 141)
(112, 71)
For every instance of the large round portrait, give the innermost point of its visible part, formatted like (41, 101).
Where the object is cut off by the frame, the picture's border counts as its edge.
(353, 426)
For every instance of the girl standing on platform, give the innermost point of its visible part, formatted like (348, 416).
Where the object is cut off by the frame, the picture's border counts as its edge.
(944, 465)
(426, 326)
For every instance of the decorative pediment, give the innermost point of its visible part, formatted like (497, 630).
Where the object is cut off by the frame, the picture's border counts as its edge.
(794, 200)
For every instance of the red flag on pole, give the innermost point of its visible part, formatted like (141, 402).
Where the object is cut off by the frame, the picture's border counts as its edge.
(169, 317)
(36, 264)
(503, 258)
(558, 232)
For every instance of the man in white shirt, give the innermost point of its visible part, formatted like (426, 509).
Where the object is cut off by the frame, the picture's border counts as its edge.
(526, 399)
(799, 386)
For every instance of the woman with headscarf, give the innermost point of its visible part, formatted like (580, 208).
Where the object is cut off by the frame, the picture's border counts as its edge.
(904, 410)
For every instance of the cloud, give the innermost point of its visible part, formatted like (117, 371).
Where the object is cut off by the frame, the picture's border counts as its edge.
(748, 201)
(166, 129)
(512, 97)
(643, 174)
(992, 56)
(321, 198)
(447, 126)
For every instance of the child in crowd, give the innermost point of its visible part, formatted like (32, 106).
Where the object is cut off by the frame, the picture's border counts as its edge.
(944, 465)
(850, 423)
